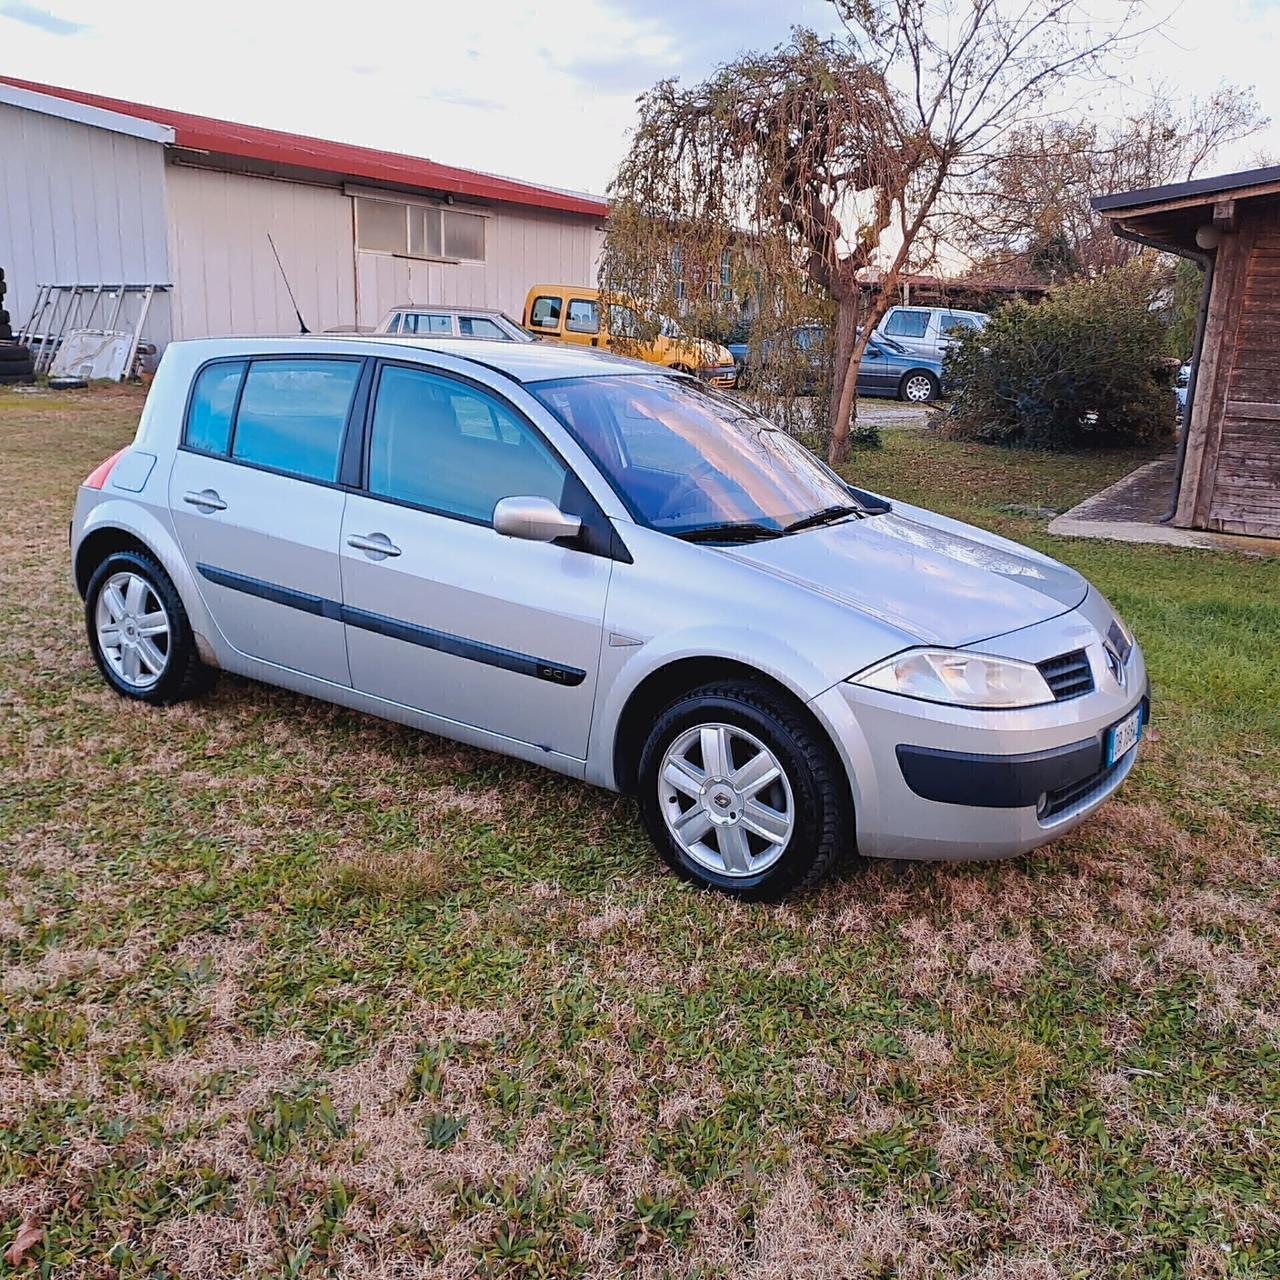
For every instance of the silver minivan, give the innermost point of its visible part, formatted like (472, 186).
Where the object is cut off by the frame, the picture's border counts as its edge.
(614, 571)
(929, 331)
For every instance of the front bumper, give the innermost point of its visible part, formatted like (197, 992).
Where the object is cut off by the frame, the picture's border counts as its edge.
(724, 376)
(938, 782)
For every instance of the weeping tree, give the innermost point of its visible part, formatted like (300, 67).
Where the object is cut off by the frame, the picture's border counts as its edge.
(795, 171)
(773, 178)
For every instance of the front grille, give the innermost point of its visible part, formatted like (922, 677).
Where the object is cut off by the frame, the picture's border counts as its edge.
(1077, 794)
(1068, 675)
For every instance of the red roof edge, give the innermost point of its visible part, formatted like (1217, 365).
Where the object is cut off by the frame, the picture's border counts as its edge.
(227, 138)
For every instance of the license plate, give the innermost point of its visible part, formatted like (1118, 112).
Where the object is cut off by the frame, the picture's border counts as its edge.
(1123, 737)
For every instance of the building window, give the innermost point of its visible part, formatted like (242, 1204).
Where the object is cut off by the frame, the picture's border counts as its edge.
(418, 231)
(726, 277)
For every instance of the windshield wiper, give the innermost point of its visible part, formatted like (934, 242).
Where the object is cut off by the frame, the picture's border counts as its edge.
(825, 516)
(729, 531)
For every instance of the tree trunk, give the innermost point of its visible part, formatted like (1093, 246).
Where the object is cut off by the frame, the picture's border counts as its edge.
(844, 378)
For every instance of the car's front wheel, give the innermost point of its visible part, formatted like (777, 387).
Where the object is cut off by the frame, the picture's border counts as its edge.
(741, 792)
(919, 387)
(139, 632)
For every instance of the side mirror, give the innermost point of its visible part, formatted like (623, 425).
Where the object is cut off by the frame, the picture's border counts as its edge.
(534, 519)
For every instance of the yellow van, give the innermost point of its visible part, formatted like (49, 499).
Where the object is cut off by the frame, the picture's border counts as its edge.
(572, 313)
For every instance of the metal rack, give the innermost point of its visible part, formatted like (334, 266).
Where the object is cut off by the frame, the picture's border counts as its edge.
(61, 308)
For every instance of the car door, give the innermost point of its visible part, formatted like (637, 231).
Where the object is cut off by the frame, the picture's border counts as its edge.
(444, 614)
(257, 507)
(874, 374)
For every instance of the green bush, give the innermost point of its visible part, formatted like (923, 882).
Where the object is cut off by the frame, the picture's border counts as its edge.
(1085, 367)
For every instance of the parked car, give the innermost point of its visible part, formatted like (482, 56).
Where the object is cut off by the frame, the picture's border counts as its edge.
(570, 313)
(1181, 385)
(618, 573)
(887, 368)
(454, 322)
(928, 331)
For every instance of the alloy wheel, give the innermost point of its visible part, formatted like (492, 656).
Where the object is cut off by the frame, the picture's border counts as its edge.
(726, 799)
(133, 630)
(919, 389)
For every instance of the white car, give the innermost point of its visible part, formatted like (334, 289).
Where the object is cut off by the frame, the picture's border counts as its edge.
(454, 322)
(614, 571)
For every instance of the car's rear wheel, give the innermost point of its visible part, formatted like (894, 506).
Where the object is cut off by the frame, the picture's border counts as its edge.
(919, 387)
(739, 791)
(139, 632)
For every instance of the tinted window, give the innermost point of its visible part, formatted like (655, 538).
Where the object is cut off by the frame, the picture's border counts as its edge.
(545, 313)
(907, 324)
(957, 325)
(584, 316)
(479, 327)
(292, 414)
(447, 446)
(427, 322)
(213, 401)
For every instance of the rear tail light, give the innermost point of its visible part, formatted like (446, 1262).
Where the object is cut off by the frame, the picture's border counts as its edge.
(98, 476)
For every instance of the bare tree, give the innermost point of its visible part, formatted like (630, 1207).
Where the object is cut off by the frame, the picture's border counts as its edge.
(823, 155)
(1029, 211)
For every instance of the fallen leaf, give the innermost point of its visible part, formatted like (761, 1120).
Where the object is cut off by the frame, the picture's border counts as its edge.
(29, 1235)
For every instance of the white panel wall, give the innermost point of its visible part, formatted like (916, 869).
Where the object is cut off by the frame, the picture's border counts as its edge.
(79, 204)
(523, 247)
(225, 278)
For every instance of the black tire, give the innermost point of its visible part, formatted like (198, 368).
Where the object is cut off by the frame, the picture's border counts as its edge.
(5, 317)
(935, 388)
(13, 352)
(184, 675)
(823, 826)
(13, 379)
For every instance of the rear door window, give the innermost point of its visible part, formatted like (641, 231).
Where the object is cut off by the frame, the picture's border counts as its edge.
(427, 322)
(292, 415)
(907, 324)
(584, 316)
(545, 312)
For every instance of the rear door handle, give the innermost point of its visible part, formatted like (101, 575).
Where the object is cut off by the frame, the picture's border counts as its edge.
(376, 545)
(206, 500)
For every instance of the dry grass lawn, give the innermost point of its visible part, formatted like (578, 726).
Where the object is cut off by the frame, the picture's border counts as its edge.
(288, 991)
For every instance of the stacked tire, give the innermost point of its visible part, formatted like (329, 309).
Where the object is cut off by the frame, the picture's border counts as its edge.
(15, 359)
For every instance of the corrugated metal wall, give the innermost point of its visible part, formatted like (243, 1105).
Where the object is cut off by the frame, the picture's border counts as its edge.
(225, 278)
(79, 204)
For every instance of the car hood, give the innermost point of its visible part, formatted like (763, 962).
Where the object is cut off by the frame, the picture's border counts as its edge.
(938, 581)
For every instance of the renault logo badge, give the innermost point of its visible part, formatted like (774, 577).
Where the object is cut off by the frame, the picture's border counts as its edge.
(1114, 664)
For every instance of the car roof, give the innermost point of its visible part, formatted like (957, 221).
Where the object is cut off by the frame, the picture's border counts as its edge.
(449, 308)
(523, 362)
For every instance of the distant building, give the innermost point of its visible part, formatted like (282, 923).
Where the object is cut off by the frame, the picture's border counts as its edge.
(96, 190)
(1228, 473)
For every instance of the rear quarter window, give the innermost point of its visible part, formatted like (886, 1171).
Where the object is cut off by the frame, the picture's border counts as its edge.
(213, 402)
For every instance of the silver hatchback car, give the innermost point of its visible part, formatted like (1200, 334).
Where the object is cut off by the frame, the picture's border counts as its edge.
(616, 572)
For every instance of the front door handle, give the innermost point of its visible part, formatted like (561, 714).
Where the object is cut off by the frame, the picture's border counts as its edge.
(376, 545)
(206, 500)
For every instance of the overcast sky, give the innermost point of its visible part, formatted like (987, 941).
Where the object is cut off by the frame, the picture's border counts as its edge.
(539, 91)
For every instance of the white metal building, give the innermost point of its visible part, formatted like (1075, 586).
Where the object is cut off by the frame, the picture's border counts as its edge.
(98, 190)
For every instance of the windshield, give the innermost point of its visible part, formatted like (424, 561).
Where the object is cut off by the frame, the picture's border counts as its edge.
(684, 458)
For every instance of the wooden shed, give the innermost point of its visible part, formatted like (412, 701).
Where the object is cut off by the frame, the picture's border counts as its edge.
(1228, 474)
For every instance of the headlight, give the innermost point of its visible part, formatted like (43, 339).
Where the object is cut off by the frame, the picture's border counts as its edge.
(958, 678)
